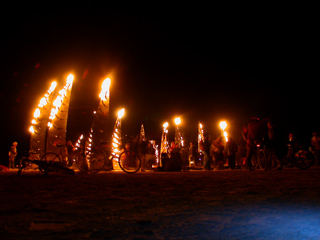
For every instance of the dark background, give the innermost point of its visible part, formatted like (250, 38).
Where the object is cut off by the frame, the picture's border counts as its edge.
(206, 67)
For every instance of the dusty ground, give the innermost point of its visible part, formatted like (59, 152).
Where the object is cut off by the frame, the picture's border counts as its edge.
(161, 205)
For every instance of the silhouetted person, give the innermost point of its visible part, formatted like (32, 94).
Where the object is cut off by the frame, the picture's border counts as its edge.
(293, 147)
(277, 140)
(174, 163)
(12, 154)
(216, 152)
(143, 151)
(256, 131)
(192, 155)
(150, 156)
(231, 150)
(293, 142)
(206, 152)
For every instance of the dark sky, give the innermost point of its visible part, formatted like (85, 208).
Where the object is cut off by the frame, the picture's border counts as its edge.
(202, 68)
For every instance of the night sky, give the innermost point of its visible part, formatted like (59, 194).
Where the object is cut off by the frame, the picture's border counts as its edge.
(201, 68)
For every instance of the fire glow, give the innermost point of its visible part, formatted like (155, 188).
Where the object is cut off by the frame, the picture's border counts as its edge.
(104, 94)
(58, 101)
(223, 126)
(116, 138)
(42, 104)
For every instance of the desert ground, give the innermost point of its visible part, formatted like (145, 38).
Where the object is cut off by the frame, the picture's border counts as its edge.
(194, 204)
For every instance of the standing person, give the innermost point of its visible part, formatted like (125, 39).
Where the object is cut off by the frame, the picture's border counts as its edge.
(231, 150)
(192, 155)
(150, 156)
(12, 154)
(142, 153)
(172, 147)
(293, 142)
(70, 147)
(278, 142)
(206, 152)
(293, 147)
(256, 131)
(216, 152)
(70, 152)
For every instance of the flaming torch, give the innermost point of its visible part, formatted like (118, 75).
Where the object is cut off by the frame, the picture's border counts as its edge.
(57, 124)
(100, 122)
(164, 147)
(142, 136)
(200, 137)
(40, 117)
(78, 143)
(225, 134)
(223, 126)
(178, 137)
(164, 139)
(116, 140)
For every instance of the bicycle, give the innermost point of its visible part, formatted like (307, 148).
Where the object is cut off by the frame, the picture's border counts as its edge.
(49, 162)
(254, 160)
(302, 159)
(129, 161)
(94, 162)
(263, 158)
(267, 159)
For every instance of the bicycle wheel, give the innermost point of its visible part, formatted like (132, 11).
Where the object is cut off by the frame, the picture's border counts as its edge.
(81, 162)
(254, 161)
(262, 159)
(303, 159)
(129, 161)
(96, 162)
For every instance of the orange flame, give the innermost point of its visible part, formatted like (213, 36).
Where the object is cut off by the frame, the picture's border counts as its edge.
(104, 94)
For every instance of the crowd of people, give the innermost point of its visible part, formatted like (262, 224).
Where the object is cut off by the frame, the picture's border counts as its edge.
(218, 154)
(213, 154)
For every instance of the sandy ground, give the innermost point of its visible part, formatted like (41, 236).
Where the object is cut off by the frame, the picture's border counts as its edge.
(161, 205)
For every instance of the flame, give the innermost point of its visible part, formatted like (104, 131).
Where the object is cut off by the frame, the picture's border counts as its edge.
(31, 129)
(116, 140)
(225, 134)
(121, 113)
(43, 102)
(36, 113)
(104, 94)
(57, 102)
(116, 135)
(165, 125)
(52, 87)
(177, 121)
(70, 79)
(62, 93)
(223, 125)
